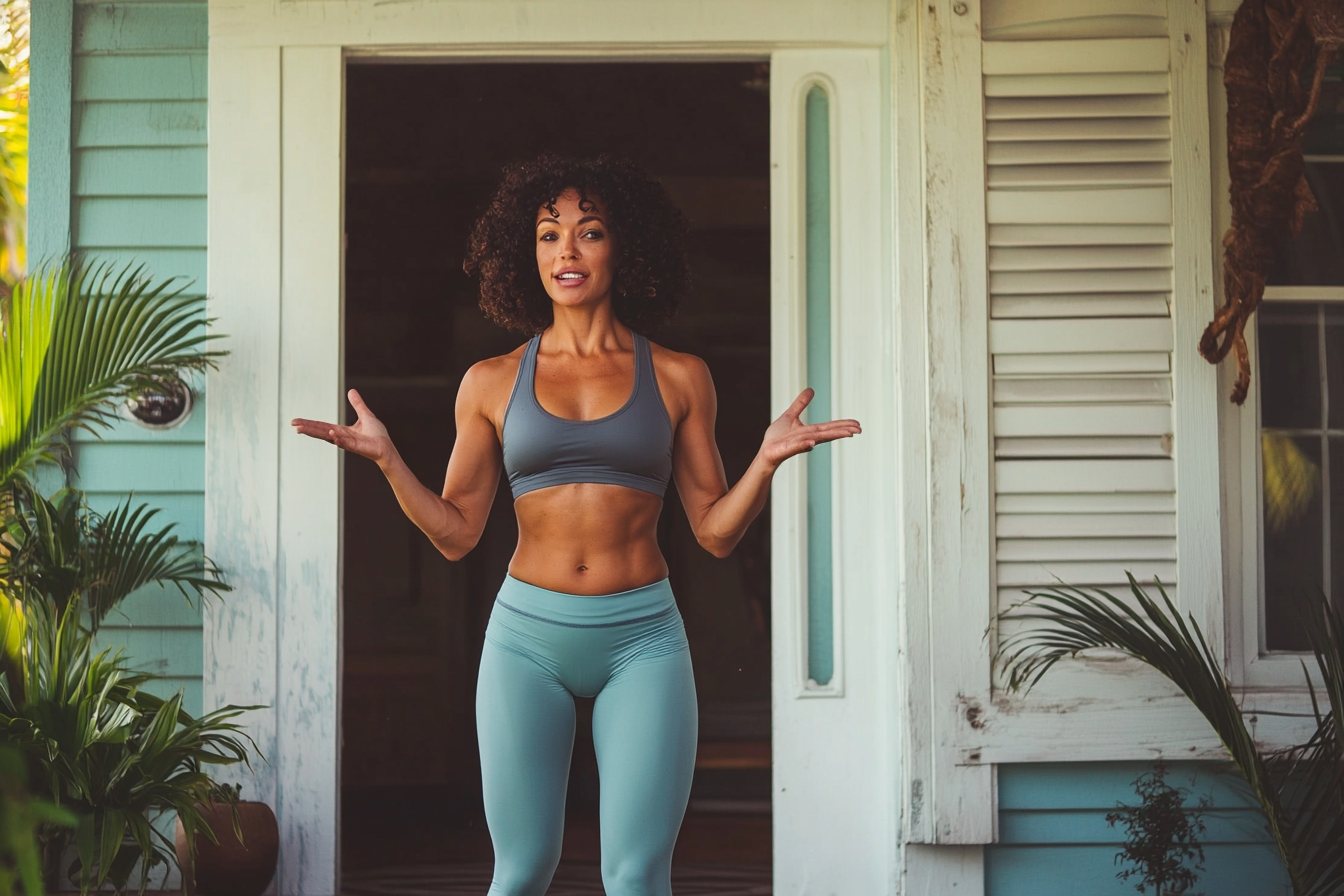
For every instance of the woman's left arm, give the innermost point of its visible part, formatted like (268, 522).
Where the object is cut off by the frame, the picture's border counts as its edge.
(719, 515)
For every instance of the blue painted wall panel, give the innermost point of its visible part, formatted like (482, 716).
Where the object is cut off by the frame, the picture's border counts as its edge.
(138, 180)
(1054, 839)
(136, 124)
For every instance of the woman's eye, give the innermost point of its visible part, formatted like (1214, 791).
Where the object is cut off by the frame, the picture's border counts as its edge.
(548, 237)
(593, 235)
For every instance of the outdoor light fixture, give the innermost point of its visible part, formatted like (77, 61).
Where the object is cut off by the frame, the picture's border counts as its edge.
(161, 407)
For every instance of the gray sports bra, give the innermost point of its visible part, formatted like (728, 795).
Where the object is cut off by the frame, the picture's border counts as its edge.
(631, 447)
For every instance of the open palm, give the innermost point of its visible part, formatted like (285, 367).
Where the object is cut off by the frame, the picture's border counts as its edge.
(367, 437)
(788, 435)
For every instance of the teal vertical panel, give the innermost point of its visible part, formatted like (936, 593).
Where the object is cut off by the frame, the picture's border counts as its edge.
(51, 47)
(137, 168)
(820, 616)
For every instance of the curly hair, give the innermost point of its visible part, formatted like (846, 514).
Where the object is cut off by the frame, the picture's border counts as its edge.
(650, 235)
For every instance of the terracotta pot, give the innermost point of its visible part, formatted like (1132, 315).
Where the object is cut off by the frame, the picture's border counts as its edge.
(230, 868)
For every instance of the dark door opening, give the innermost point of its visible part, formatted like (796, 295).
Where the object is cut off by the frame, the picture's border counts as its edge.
(425, 144)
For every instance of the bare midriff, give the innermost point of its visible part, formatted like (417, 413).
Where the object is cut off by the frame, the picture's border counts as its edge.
(588, 538)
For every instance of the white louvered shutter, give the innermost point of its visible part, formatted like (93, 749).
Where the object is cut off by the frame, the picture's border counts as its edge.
(1080, 252)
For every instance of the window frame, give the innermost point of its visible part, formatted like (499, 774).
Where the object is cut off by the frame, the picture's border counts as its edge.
(1259, 668)
(1251, 667)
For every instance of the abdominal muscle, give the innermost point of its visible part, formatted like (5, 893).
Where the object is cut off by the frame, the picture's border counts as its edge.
(588, 538)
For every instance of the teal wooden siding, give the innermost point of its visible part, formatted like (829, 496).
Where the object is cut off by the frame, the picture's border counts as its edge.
(138, 194)
(1054, 839)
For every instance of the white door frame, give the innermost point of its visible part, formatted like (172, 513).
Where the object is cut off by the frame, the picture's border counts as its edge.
(275, 264)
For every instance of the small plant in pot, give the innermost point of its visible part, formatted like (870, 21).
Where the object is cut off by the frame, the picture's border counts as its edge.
(238, 862)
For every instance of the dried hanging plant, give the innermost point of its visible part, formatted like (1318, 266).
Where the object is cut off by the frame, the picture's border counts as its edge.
(1273, 74)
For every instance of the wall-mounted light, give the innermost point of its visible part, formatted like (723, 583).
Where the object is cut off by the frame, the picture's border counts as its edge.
(163, 406)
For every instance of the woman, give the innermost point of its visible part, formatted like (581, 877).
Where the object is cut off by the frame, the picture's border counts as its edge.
(589, 420)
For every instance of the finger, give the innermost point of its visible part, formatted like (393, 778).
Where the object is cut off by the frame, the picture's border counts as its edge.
(361, 409)
(827, 431)
(799, 405)
(316, 429)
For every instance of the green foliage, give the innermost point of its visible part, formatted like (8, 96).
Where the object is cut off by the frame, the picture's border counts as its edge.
(1300, 790)
(77, 342)
(1160, 835)
(21, 816)
(14, 75)
(115, 756)
(62, 551)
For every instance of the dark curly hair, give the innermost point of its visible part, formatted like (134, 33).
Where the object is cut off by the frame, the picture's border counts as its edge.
(650, 235)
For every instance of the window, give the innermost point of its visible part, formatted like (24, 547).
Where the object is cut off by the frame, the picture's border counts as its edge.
(1301, 395)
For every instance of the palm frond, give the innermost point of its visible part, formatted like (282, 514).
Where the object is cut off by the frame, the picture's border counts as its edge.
(65, 552)
(1300, 791)
(75, 342)
(124, 557)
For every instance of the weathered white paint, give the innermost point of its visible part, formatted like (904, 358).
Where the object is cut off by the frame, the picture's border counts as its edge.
(834, 758)
(272, 512)
(959, 798)
(607, 28)
(243, 425)
(914, 676)
(308, 672)
(1195, 382)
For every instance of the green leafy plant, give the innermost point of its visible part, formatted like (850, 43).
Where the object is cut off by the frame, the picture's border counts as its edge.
(14, 78)
(1161, 835)
(61, 550)
(21, 817)
(77, 341)
(1300, 790)
(111, 753)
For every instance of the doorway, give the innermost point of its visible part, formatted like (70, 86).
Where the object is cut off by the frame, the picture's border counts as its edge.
(424, 147)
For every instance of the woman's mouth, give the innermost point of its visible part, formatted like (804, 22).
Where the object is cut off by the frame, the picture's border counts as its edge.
(570, 278)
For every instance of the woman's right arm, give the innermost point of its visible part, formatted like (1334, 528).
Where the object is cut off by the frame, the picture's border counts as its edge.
(454, 520)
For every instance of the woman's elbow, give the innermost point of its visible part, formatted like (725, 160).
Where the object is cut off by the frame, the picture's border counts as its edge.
(719, 547)
(457, 548)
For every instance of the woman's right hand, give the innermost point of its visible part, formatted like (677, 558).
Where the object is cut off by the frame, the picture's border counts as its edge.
(367, 437)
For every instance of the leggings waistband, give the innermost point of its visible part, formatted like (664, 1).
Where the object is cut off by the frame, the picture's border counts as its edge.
(587, 610)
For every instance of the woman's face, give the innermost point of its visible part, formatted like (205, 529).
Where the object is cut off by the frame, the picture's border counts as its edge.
(574, 251)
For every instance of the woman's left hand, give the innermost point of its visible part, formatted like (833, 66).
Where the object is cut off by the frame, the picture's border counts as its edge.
(788, 435)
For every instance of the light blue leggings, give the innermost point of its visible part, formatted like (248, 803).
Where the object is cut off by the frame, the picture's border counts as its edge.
(542, 649)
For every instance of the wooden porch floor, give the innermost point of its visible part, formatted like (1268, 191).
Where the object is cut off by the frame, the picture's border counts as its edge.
(572, 879)
(718, 854)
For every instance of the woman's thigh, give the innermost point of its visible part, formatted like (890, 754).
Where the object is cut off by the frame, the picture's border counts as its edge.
(525, 726)
(644, 731)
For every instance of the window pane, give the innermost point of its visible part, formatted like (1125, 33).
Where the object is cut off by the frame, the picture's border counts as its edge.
(1290, 378)
(1316, 256)
(1292, 516)
(1334, 364)
(820, 575)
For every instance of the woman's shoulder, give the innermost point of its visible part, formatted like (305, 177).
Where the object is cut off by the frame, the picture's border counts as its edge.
(683, 378)
(486, 381)
(683, 366)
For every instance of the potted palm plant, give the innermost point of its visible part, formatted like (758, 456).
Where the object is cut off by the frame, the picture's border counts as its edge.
(77, 342)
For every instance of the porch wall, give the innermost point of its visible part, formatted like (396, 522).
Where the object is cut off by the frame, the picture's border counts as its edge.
(138, 191)
(138, 173)
(1053, 834)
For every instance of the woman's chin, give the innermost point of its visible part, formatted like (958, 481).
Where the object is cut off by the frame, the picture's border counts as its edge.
(576, 301)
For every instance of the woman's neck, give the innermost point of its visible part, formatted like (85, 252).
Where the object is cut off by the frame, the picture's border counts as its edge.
(586, 330)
